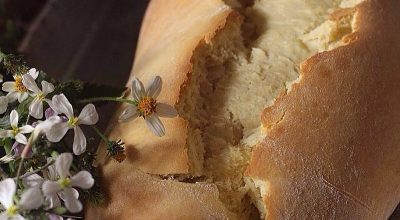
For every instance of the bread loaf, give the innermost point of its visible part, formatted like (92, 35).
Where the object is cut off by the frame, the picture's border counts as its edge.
(322, 74)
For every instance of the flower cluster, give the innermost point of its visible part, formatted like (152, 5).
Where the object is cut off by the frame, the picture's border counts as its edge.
(46, 171)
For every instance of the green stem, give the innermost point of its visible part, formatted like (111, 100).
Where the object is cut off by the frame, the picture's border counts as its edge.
(37, 170)
(100, 99)
(19, 169)
(105, 139)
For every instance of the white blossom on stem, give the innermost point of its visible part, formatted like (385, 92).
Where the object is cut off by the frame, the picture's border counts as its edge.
(30, 199)
(88, 116)
(64, 184)
(16, 132)
(44, 127)
(16, 89)
(39, 95)
(36, 180)
(146, 106)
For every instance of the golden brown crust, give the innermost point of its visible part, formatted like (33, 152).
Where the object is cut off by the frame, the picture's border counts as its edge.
(131, 194)
(166, 46)
(333, 142)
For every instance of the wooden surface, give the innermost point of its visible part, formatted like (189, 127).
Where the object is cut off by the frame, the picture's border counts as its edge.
(92, 40)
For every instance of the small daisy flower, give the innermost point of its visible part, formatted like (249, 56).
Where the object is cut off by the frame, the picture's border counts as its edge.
(16, 132)
(36, 107)
(3, 104)
(64, 184)
(146, 106)
(30, 199)
(17, 90)
(88, 116)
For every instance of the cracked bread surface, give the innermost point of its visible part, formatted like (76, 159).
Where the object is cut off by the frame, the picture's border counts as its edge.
(221, 69)
(332, 155)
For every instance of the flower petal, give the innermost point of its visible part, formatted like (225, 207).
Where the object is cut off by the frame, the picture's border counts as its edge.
(26, 129)
(14, 118)
(31, 199)
(8, 87)
(33, 180)
(165, 110)
(79, 145)
(12, 96)
(51, 216)
(22, 97)
(129, 113)
(49, 112)
(53, 200)
(83, 180)
(17, 217)
(154, 88)
(88, 115)
(20, 138)
(50, 188)
(63, 164)
(74, 191)
(138, 90)
(30, 83)
(7, 191)
(33, 72)
(47, 87)
(4, 216)
(71, 203)
(57, 132)
(155, 125)
(52, 172)
(17, 149)
(62, 105)
(36, 108)
(6, 133)
(47, 125)
(3, 104)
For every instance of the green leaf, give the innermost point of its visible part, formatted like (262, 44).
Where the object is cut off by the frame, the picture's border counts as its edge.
(5, 121)
(59, 210)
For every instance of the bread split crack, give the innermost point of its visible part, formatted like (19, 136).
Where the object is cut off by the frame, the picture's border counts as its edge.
(240, 73)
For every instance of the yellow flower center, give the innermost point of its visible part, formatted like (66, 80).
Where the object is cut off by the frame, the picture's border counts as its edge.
(12, 210)
(15, 130)
(19, 86)
(72, 121)
(64, 182)
(147, 106)
(40, 96)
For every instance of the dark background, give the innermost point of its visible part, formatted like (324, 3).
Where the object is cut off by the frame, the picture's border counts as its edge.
(91, 40)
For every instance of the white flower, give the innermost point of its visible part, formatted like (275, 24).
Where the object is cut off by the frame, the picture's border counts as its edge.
(146, 106)
(63, 185)
(44, 127)
(88, 116)
(3, 104)
(17, 90)
(35, 180)
(36, 107)
(16, 132)
(30, 199)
